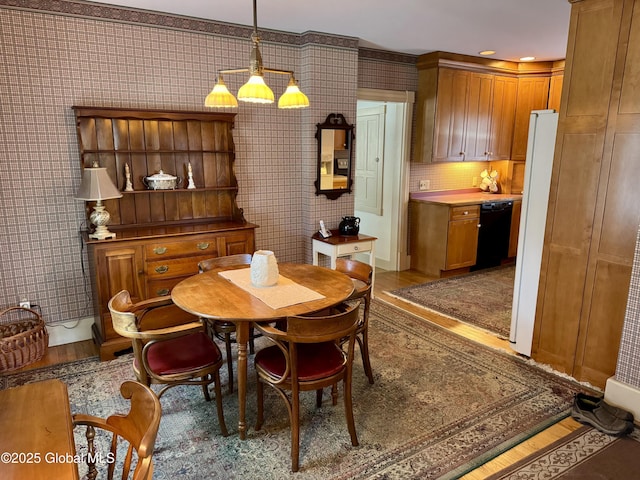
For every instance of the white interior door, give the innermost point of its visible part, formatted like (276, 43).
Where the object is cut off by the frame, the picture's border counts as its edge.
(390, 227)
(370, 159)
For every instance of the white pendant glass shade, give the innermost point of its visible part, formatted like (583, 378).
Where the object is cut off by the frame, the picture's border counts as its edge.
(255, 91)
(293, 97)
(220, 97)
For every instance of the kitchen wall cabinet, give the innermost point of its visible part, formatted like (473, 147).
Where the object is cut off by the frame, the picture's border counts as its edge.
(451, 115)
(477, 125)
(555, 92)
(457, 125)
(533, 94)
(161, 235)
(593, 216)
(503, 112)
(477, 109)
(449, 242)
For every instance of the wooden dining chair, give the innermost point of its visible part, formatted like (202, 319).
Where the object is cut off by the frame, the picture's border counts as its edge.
(306, 356)
(221, 329)
(181, 354)
(362, 276)
(138, 428)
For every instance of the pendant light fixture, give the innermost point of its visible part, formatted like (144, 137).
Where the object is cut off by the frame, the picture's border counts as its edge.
(255, 90)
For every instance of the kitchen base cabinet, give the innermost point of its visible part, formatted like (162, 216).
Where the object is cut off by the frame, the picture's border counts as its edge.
(149, 264)
(515, 228)
(443, 238)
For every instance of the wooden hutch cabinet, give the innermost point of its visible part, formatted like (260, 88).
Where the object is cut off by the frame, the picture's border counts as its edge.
(161, 235)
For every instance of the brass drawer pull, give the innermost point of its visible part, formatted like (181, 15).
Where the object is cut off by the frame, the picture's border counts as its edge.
(162, 292)
(203, 245)
(162, 269)
(160, 250)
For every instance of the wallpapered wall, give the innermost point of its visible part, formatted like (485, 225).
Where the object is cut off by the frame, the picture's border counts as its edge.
(79, 56)
(59, 54)
(628, 367)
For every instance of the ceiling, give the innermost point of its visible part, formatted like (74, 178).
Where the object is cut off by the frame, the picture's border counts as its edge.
(513, 28)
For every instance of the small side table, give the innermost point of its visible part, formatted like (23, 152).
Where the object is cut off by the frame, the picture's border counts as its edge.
(344, 245)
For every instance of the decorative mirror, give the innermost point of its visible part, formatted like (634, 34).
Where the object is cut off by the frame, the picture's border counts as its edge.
(335, 138)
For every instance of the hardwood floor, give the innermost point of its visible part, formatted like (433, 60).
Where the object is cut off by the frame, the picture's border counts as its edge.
(386, 281)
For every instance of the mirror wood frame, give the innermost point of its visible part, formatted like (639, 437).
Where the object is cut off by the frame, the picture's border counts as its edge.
(336, 136)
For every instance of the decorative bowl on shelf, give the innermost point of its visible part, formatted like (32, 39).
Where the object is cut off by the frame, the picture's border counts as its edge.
(161, 181)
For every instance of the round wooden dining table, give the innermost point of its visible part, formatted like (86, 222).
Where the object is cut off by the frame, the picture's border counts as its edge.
(211, 296)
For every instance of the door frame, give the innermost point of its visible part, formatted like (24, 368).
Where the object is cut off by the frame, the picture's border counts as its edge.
(401, 216)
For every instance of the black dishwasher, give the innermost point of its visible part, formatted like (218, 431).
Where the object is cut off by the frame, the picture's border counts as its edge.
(493, 234)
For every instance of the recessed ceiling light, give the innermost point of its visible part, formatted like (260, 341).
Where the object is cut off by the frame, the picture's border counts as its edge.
(527, 59)
(487, 52)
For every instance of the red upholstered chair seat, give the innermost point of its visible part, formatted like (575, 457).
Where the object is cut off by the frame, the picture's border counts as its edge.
(167, 351)
(183, 354)
(307, 350)
(315, 360)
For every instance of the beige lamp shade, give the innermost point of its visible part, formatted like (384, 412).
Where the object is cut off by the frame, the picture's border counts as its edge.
(96, 185)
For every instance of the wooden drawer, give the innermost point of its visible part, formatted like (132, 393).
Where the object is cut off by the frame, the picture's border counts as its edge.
(466, 211)
(354, 247)
(174, 267)
(202, 246)
(162, 286)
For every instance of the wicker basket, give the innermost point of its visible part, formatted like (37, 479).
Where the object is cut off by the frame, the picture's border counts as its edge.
(23, 338)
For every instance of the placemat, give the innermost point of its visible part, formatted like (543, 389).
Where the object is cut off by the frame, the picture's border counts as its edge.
(283, 294)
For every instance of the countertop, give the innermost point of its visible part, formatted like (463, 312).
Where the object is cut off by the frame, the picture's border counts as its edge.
(468, 196)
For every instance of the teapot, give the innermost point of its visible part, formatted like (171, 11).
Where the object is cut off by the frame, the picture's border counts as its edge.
(349, 226)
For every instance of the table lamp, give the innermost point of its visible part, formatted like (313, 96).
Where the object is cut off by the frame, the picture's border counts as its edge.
(97, 186)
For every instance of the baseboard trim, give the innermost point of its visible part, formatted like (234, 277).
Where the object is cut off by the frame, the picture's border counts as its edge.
(70, 332)
(623, 395)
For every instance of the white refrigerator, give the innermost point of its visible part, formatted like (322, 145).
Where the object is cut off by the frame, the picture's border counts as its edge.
(543, 125)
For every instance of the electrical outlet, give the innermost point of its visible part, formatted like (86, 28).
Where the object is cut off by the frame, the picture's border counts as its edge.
(24, 303)
(425, 184)
(475, 182)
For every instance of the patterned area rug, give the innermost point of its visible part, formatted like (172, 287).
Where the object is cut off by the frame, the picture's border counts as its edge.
(440, 406)
(482, 299)
(584, 454)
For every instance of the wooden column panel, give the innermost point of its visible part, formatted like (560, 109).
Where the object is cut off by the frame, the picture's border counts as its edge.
(595, 25)
(593, 215)
(617, 238)
(558, 309)
(601, 329)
